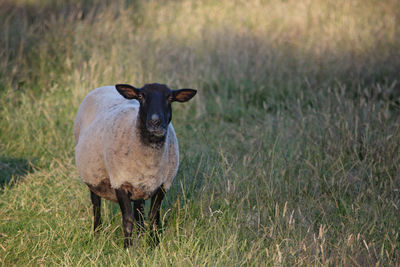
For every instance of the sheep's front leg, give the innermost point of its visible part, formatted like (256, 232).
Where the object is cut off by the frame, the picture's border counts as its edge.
(96, 202)
(138, 212)
(124, 202)
(155, 213)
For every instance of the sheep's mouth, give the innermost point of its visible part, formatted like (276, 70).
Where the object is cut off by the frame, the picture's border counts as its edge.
(158, 132)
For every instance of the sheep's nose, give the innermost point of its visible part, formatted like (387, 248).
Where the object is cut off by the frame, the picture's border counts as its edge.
(154, 123)
(155, 120)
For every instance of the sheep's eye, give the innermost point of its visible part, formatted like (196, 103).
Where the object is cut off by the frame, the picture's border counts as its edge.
(170, 98)
(140, 96)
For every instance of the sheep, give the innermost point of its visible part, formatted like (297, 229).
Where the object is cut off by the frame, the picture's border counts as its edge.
(126, 149)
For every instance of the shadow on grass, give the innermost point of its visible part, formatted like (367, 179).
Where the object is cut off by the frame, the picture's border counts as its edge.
(13, 170)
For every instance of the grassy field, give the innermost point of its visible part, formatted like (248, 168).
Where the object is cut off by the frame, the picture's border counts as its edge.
(289, 152)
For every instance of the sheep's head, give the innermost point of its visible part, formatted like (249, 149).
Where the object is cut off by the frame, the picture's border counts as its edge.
(155, 101)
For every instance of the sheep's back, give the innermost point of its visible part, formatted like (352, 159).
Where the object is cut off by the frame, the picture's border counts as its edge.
(97, 103)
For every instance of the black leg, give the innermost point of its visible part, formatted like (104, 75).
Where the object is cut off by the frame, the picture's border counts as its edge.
(155, 213)
(96, 201)
(138, 212)
(127, 215)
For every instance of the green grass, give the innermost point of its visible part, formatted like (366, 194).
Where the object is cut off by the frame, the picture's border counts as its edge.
(289, 152)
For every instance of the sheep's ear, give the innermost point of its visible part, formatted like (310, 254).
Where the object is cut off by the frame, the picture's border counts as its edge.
(183, 95)
(128, 91)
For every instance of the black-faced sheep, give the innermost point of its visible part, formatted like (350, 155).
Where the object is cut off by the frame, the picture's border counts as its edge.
(126, 149)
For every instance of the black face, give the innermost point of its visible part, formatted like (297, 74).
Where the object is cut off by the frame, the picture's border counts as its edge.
(155, 100)
(155, 108)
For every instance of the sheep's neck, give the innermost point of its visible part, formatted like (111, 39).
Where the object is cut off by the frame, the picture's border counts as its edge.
(147, 138)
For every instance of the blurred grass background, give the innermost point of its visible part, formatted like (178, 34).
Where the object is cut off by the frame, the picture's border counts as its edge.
(289, 153)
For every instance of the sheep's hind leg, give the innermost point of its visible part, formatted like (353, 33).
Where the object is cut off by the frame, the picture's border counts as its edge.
(96, 202)
(155, 213)
(138, 212)
(124, 202)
